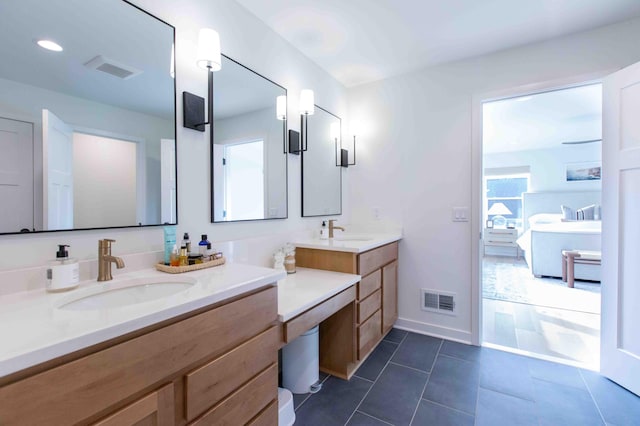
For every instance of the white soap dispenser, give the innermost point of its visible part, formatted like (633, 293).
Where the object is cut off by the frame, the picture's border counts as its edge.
(324, 232)
(64, 272)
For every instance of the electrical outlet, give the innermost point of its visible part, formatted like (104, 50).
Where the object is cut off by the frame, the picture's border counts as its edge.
(460, 214)
(375, 211)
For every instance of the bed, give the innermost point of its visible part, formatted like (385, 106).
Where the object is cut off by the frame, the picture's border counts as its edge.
(545, 235)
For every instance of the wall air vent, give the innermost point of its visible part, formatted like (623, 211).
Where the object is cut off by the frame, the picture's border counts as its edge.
(111, 67)
(438, 301)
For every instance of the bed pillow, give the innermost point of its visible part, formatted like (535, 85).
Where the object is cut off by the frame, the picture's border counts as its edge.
(567, 213)
(544, 219)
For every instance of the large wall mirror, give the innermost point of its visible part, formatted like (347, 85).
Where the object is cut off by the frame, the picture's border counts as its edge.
(321, 173)
(249, 160)
(87, 130)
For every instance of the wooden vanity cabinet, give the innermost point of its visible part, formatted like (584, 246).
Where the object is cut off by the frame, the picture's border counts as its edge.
(376, 293)
(215, 366)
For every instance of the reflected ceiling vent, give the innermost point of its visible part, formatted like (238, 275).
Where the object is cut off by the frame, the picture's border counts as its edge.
(581, 142)
(114, 68)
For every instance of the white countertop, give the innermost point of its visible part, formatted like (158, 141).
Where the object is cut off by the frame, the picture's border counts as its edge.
(354, 243)
(308, 287)
(33, 329)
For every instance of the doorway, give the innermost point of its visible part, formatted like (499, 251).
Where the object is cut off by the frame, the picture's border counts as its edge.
(533, 144)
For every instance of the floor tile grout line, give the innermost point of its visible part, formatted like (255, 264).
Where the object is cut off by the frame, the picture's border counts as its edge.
(424, 388)
(410, 368)
(309, 394)
(373, 417)
(592, 397)
(457, 410)
(376, 380)
(509, 394)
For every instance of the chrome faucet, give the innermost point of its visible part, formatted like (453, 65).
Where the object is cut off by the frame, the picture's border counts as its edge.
(105, 259)
(332, 227)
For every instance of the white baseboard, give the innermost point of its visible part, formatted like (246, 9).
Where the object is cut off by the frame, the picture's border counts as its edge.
(434, 330)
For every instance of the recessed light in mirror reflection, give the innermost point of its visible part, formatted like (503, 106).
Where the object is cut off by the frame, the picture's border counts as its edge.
(49, 45)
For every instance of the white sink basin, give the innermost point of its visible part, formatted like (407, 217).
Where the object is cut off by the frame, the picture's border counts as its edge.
(126, 293)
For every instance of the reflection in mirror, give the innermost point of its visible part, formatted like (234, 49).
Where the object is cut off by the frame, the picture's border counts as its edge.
(87, 134)
(321, 178)
(249, 161)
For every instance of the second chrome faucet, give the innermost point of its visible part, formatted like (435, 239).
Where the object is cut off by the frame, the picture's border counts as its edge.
(105, 259)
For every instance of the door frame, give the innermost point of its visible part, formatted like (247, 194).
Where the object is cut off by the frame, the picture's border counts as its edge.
(477, 174)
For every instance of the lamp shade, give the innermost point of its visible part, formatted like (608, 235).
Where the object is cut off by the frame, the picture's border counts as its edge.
(281, 107)
(209, 56)
(334, 129)
(499, 209)
(306, 102)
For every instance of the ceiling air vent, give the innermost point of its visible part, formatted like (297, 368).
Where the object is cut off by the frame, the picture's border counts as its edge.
(438, 301)
(111, 67)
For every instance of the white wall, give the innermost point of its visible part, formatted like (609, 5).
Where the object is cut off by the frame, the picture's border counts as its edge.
(548, 166)
(415, 160)
(252, 43)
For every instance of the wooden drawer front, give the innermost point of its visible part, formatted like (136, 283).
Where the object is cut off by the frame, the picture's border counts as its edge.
(245, 403)
(156, 408)
(337, 261)
(369, 333)
(268, 416)
(210, 383)
(369, 284)
(91, 385)
(368, 306)
(376, 258)
(314, 316)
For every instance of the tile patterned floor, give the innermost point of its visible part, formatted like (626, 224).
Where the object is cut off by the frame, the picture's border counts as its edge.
(411, 379)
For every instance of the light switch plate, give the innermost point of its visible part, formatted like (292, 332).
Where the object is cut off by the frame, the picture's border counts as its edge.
(460, 214)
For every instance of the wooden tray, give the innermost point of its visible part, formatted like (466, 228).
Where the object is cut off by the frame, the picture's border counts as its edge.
(180, 269)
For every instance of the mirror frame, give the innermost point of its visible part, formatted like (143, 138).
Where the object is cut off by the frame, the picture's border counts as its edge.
(302, 153)
(284, 151)
(175, 132)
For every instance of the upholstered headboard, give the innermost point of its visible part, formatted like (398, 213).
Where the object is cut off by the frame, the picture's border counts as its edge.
(549, 202)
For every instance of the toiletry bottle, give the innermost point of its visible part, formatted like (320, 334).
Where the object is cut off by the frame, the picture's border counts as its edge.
(324, 232)
(184, 257)
(210, 253)
(202, 245)
(186, 242)
(169, 243)
(175, 257)
(64, 272)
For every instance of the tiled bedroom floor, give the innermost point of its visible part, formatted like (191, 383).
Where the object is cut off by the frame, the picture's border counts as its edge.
(412, 379)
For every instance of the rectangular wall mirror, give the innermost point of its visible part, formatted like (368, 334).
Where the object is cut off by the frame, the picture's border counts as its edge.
(87, 130)
(248, 156)
(321, 173)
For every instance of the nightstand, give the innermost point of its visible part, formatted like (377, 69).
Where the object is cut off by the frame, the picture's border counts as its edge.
(501, 242)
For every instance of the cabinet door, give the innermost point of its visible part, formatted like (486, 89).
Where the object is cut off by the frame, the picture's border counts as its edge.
(153, 409)
(389, 295)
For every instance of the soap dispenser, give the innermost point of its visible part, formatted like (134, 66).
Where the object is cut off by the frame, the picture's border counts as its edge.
(63, 273)
(324, 232)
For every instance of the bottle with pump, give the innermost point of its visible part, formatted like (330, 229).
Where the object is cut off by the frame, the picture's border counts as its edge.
(63, 273)
(202, 245)
(186, 243)
(324, 232)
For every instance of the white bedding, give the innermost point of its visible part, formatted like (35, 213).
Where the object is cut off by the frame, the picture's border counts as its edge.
(543, 245)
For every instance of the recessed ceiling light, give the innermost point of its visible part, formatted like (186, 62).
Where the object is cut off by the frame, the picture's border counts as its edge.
(49, 45)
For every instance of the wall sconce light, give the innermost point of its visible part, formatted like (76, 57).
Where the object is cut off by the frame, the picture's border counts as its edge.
(209, 58)
(307, 108)
(344, 153)
(281, 114)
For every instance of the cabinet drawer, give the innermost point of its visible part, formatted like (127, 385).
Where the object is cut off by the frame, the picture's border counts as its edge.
(210, 383)
(94, 383)
(368, 306)
(376, 258)
(369, 284)
(314, 316)
(156, 408)
(268, 416)
(369, 333)
(245, 403)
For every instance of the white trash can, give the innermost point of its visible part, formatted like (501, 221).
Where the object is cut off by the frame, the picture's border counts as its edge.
(301, 363)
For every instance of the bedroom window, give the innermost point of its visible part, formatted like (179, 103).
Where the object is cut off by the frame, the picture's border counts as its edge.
(506, 189)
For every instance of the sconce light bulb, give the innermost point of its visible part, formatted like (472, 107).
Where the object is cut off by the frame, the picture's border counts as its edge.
(307, 102)
(281, 108)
